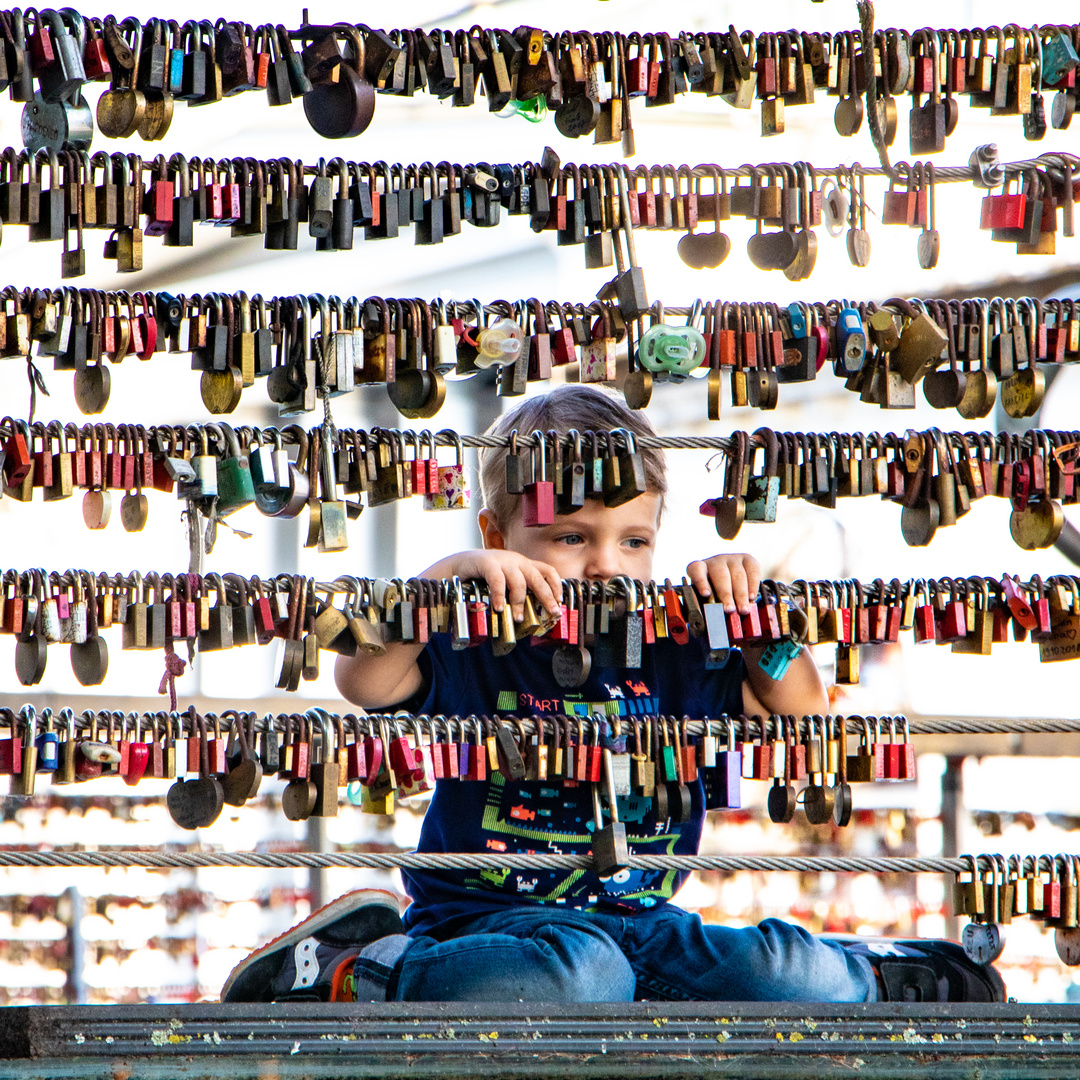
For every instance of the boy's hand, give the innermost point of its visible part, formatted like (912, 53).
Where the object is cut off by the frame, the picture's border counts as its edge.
(732, 579)
(508, 575)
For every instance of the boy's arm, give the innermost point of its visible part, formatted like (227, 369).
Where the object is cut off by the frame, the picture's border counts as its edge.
(734, 579)
(799, 693)
(375, 682)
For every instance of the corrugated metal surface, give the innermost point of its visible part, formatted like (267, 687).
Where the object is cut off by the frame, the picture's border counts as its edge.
(590, 1040)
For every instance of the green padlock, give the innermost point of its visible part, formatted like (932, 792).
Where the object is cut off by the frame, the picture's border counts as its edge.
(667, 753)
(677, 350)
(236, 489)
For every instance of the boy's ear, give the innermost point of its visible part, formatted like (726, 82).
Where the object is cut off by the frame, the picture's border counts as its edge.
(490, 531)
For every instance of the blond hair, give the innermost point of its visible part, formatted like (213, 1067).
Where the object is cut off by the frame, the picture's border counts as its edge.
(566, 408)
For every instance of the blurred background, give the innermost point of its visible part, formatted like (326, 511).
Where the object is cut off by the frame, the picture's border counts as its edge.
(131, 935)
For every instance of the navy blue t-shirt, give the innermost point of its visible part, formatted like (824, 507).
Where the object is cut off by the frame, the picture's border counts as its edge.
(547, 816)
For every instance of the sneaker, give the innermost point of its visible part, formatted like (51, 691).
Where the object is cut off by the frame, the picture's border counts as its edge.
(927, 970)
(309, 961)
(312, 971)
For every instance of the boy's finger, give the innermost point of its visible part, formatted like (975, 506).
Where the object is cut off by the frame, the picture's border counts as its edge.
(723, 587)
(551, 575)
(516, 589)
(753, 578)
(697, 572)
(496, 583)
(739, 592)
(547, 587)
(539, 577)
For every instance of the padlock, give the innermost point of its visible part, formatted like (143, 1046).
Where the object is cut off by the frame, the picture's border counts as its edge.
(609, 845)
(723, 782)
(538, 496)
(628, 286)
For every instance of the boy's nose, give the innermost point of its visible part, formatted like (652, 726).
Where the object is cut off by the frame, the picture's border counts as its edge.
(602, 563)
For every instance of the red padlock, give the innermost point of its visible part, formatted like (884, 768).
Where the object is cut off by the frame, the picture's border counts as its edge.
(907, 752)
(159, 201)
(451, 755)
(231, 209)
(404, 758)
(860, 614)
(761, 758)
(952, 615)
(356, 766)
(1041, 609)
(563, 345)
(751, 625)
(265, 626)
(924, 623)
(374, 752)
(300, 767)
(560, 632)
(42, 50)
(879, 615)
(174, 609)
(1004, 211)
(95, 57)
(1052, 890)
(648, 622)
(214, 197)
(676, 621)
(144, 329)
(1017, 602)
(538, 496)
(595, 755)
(479, 618)
(421, 616)
(11, 753)
(637, 68)
(768, 616)
(134, 757)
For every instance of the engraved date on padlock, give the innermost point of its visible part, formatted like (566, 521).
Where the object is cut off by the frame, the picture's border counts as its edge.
(982, 942)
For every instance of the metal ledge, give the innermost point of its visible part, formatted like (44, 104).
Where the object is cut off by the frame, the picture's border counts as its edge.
(598, 1041)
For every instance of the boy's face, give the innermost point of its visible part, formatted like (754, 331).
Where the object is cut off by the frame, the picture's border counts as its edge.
(596, 543)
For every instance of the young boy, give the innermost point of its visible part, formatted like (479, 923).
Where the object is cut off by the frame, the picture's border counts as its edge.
(569, 935)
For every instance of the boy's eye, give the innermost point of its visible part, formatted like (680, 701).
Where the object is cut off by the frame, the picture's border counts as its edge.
(637, 542)
(569, 538)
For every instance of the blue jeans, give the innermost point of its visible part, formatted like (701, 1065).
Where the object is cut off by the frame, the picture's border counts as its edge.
(540, 953)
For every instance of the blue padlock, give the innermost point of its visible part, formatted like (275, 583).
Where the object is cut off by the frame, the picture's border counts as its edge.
(504, 173)
(175, 81)
(797, 318)
(800, 350)
(777, 657)
(1058, 58)
(850, 342)
(48, 749)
